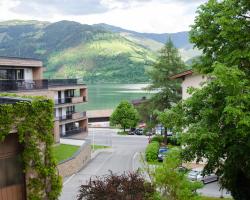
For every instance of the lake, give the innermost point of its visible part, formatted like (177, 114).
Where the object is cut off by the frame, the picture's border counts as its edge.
(108, 96)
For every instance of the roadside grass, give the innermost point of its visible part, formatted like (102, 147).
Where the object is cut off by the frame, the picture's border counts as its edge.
(96, 147)
(215, 198)
(64, 151)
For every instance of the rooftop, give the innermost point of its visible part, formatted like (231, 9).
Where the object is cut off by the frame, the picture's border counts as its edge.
(182, 74)
(12, 100)
(20, 62)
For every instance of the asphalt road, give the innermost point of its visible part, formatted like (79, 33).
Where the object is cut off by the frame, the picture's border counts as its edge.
(125, 156)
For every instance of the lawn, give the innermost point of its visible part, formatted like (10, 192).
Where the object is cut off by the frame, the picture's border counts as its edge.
(64, 151)
(215, 198)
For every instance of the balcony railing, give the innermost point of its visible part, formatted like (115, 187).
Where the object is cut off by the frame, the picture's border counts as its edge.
(62, 82)
(18, 85)
(65, 117)
(63, 100)
(74, 131)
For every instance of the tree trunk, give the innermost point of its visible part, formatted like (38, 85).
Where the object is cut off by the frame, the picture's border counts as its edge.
(165, 139)
(124, 129)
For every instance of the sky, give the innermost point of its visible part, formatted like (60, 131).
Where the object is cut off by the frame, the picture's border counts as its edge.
(156, 16)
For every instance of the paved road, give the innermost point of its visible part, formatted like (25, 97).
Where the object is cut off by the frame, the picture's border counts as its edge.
(125, 157)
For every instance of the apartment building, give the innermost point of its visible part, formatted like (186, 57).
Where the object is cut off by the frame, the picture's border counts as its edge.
(189, 79)
(25, 77)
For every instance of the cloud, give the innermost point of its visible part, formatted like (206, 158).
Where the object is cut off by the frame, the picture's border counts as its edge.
(66, 7)
(139, 15)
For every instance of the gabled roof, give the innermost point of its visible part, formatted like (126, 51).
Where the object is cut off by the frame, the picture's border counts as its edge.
(182, 74)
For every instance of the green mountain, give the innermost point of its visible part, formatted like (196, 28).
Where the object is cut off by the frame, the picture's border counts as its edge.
(97, 53)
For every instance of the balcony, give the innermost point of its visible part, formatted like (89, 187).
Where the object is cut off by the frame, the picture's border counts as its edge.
(20, 85)
(78, 115)
(63, 100)
(74, 131)
(65, 117)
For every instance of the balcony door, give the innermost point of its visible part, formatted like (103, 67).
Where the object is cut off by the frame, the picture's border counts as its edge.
(12, 178)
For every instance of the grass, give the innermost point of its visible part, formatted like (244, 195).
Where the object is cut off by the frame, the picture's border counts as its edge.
(96, 147)
(64, 151)
(215, 198)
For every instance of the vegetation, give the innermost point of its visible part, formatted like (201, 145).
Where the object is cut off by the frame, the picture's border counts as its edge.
(172, 184)
(131, 186)
(214, 198)
(64, 151)
(152, 151)
(216, 117)
(96, 147)
(34, 124)
(124, 115)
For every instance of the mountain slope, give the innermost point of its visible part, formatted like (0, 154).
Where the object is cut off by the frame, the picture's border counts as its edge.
(155, 41)
(70, 49)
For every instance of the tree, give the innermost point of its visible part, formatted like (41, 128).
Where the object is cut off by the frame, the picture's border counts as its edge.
(173, 184)
(125, 115)
(169, 63)
(216, 118)
(131, 186)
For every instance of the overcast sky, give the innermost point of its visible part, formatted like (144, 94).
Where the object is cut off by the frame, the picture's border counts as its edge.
(158, 16)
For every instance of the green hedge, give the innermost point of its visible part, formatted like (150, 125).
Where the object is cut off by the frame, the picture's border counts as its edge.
(157, 138)
(152, 151)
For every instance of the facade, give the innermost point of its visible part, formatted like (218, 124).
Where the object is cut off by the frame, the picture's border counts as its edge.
(190, 79)
(24, 77)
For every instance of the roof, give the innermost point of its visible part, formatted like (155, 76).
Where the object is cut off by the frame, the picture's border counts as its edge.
(20, 62)
(12, 100)
(99, 113)
(182, 74)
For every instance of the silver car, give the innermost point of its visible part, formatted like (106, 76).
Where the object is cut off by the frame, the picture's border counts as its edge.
(196, 175)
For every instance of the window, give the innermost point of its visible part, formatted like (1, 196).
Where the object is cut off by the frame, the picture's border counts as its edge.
(19, 74)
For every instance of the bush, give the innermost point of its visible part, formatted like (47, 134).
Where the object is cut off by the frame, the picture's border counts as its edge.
(152, 151)
(157, 138)
(129, 186)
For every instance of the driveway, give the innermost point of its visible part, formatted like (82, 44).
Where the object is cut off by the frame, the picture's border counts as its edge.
(124, 157)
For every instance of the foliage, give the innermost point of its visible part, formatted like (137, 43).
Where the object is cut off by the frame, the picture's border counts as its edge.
(174, 185)
(216, 118)
(152, 151)
(64, 151)
(34, 124)
(173, 140)
(222, 33)
(168, 64)
(125, 115)
(131, 186)
(214, 198)
(157, 138)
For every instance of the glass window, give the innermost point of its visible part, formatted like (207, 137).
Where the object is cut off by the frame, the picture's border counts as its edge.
(19, 74)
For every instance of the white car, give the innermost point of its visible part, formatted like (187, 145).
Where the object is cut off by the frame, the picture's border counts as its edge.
(196, 175)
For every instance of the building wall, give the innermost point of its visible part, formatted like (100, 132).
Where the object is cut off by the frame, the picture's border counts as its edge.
(194, 80)
(28, 75)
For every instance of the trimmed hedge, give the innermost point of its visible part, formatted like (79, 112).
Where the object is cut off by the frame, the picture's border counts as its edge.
(152, 151)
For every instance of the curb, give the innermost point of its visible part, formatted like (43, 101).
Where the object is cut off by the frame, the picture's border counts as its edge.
(97, 152)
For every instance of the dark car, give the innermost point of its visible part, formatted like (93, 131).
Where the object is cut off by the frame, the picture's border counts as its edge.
(139, 131)
(162, 153)
(132, 131)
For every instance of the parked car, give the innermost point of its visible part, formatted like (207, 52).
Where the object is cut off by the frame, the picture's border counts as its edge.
(196, 175)
(162, 153)
(139, 131)
(132, 131)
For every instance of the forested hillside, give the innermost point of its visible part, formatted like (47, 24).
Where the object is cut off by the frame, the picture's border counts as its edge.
(92, 53)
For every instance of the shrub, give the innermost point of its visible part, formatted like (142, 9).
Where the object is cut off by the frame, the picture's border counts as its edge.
(157, 138)
(152, 151)
(129, 186)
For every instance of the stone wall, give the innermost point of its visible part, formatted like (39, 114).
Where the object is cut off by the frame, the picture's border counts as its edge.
(76, 162)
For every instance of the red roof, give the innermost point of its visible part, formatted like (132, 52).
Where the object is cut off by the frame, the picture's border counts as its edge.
(182, 74)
